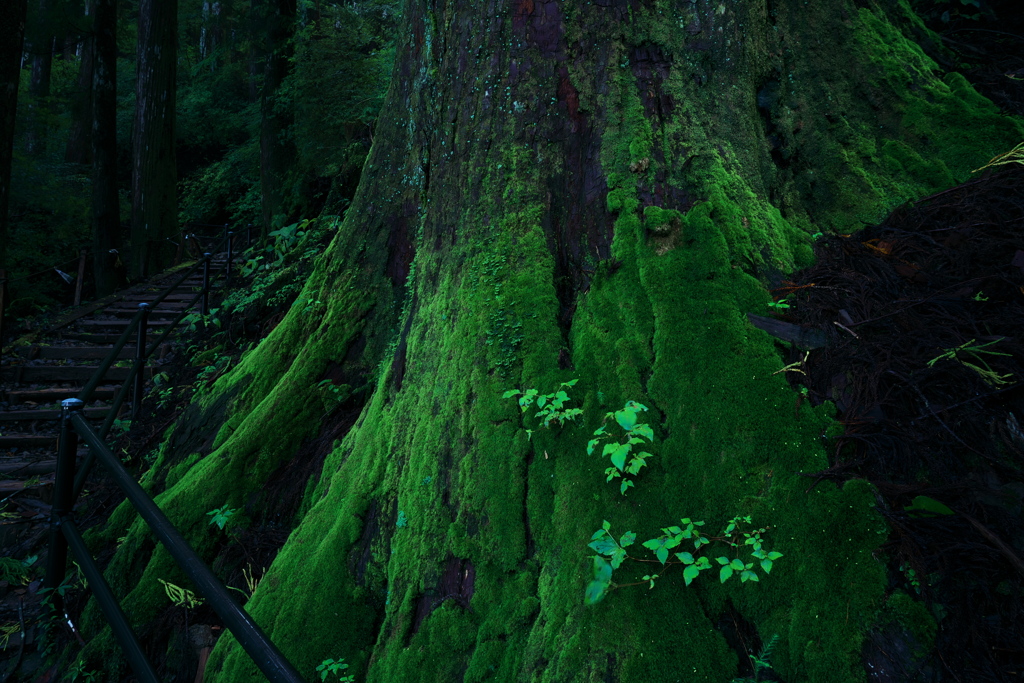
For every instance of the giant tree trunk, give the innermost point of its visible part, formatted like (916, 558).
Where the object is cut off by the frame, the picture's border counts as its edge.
(12, 15)
(557, 191)
(277, 152)
(154, 168)
(106, 213)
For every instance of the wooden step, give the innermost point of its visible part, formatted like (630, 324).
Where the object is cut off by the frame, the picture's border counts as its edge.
(103, 337)
(183, 297)
(13, 485)
(28, 441)
(20, 467)
(73, 352)
(49, 395)
(119, 323)
(31, 374)
(162, 307)
(27, 415)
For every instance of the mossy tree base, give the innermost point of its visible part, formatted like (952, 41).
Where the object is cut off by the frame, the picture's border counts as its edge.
(565, 190)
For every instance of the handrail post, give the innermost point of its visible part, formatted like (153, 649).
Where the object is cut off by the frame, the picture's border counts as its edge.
(206, 283)
(140, 360)
(3, 302)
(63, 491)
(227, 268)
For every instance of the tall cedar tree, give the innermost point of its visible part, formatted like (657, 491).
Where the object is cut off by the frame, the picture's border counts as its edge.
(563, 189)
(277, 152)
(79, 145)
(106, 214)
(12, 16)
(154, 168)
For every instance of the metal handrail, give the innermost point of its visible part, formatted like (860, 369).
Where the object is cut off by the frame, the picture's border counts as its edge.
(64, 534)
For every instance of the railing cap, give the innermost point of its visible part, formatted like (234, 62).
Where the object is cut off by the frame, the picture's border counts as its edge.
(72, 404)
(143, 305)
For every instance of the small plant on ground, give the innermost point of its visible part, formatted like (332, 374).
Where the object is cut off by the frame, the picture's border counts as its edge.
(987, 374)
(335, 667)
(221, 516)
(619, 450)
(760, 662)
(181, 597)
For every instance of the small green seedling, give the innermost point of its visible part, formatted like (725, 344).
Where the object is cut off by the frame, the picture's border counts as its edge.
(181, 597)
(781, 303)
(619, 451)
(550, 405)
(332, 666)
(221, 516)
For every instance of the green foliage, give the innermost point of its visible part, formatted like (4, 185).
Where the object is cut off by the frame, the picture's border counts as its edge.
(14, 571)
(989, 376)
(77, 672)
(619, 450)
(181, 597)
(761, 662)
(219, 517)
(780, 304)
(612, 552)
(550, 405)
(402, 521)
(334, 666)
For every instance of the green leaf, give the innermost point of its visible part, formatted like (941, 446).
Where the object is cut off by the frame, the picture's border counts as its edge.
(602, 569)
(673, 530)
(609, 448)
(652, 544)
(570, 383)
(634, 441)
(722, 560)
(606, 525)
(599, 431)
(737, 565)
(627, 539)
(662, 554)
(774, 555)
(923, 506)
(634, 465)
(598, 534)
(508, 394)
(612, 473)
(644, 431)
(685, 558)
(541, 401)
(766, 565)
(617, 557)
(626, 483)
(595, 592)
(590, 446)
(724, 574)
(625, 418)
(749, 575)
(605, 546)
(619, 455)
(690, 573)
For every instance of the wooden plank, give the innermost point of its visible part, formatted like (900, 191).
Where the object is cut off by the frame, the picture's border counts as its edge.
(120, 323)
(27, 468)
(72, 352)
(28, 441)
(102, 337)
(28, 374)
(27, 415)
(15, 485)
(56, 394)
(806, 338)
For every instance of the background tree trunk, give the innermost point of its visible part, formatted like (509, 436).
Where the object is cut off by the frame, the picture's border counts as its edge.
(154, 174)
(79, 147)
(276, 150)
(12, 16)
(106, 212)
(40, 39)
(558, 191)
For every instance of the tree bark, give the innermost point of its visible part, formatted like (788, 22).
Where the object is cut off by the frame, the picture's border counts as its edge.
(79, 147)
(106, 213)
(154, 174)
(276, 150)
(12, 16)
(565, 190)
